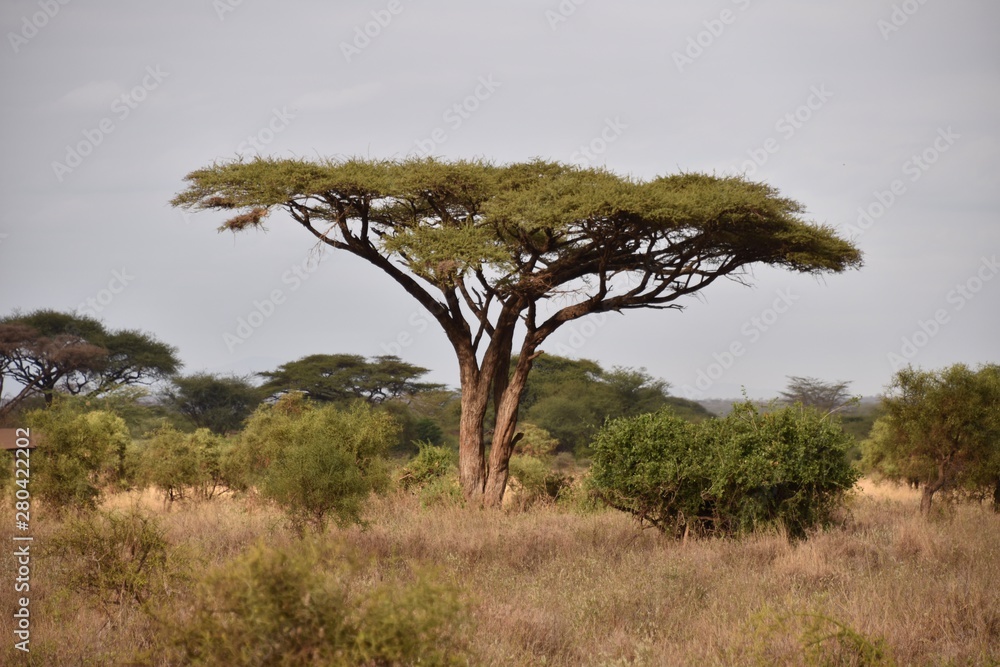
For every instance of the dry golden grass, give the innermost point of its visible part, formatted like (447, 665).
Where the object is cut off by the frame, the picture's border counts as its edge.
(888, 491)
(557, 587)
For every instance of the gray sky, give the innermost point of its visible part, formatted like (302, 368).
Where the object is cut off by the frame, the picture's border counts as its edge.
(848, 107)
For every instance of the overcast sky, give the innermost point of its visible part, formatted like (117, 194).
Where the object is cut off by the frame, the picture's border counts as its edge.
(848, 107)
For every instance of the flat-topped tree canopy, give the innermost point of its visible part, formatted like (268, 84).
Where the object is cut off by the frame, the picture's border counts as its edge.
(480, 245)
(47, 350)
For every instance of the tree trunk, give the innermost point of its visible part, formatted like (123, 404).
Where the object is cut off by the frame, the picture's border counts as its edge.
(925, 499)
(481, 483)
(504, 436)
(471, 446)
(933, 487)
(996, 496)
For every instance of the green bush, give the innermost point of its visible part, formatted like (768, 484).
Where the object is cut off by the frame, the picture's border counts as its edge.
(313, 605)
(314, 461)
(427, 430)
(431, 462)
(115, 557)
(178, 463)
(433, 474)
(725, 476)
(78, 454)
(535, 441)
(535, 480)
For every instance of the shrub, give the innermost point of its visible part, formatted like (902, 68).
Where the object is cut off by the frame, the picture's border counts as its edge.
(79, 453)
(536, 442)
(312, 605)
(433, 474)
(178, 462)
(115, 557)
(725, 476)
(813, 638)
(431, 462)
(315, 461)
(535, 480)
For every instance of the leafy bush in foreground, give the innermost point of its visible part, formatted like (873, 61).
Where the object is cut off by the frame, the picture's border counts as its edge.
(312, 605)
(115, 557)
(724, 476)
(314, 461)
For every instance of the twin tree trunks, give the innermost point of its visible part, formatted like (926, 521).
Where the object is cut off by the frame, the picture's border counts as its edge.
(476, 477)
(486, 249)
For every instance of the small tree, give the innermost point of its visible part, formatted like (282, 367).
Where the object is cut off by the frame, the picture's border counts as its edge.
(218, 403)
(178, 462)
(724, 476)
(427, 430)
(815, 393)
(341, 378)
(316, 461)
(79, 452)
(941, 428)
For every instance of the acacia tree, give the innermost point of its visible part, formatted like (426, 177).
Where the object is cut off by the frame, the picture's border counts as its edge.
(46, 350)
(218, 403)
(342, 377)
(502, 256)
(941, 428)
(815, 393)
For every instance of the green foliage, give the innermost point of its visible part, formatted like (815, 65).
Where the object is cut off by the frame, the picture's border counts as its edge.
(218, 403)
(724, 476)
(312, 460)
(432, 462)
(414, 622)
(940, 428)
(535, 441)
(530, 472)
(413, 427)
(341, 378)
(141, 413)
(115, 557)
(450, 218)
(859, 422)
(440, 407)
(444, 491)
(79, 452)
(177, 463)
(653, 467)
(536, 480)
(571, 398)
(428, 430)
(433, 473)
(313, 605)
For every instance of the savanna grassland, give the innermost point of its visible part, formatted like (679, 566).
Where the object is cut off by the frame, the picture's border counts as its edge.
(547, 585)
